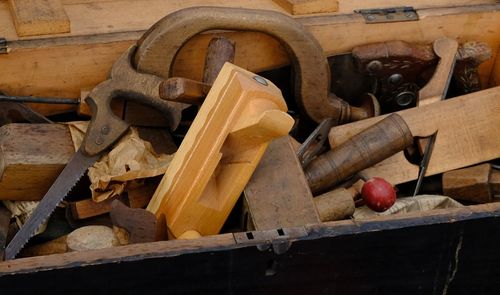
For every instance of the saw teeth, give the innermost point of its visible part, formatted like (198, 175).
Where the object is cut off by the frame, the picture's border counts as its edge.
(52, 198)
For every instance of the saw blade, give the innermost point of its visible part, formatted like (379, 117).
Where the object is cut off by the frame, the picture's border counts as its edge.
(68, 178)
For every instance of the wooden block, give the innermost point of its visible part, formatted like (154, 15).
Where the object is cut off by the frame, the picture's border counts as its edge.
(226, 141)
(278, 195)
(31, 158)
(297, 7)
(473, 184)
(137, 198)
(89, 208)
(467, 134)
(39, 17)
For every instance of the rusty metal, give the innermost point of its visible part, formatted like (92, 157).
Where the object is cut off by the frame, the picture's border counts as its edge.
(159, 46)
(315, 143)
(14, 112)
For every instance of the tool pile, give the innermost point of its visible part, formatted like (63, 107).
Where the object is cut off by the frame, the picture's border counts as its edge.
(233, 153)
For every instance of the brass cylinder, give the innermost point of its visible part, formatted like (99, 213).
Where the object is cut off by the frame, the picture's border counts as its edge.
(376, 143)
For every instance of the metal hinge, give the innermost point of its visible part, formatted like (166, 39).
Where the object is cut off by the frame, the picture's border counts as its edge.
(3, 46)
(389, 15)
(279, 240)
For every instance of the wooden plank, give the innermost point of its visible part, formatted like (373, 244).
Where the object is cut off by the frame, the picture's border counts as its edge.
(467, 134)
(222, 148)
(39, 17)
(104, 13)
(318, 256)
(134, 252)
(34, 67)
(298, 7)
(38, 69)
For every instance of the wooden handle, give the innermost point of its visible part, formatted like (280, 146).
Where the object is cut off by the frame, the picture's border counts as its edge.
(435, 90)
(336, 205)
(363, 150)
(220, 50)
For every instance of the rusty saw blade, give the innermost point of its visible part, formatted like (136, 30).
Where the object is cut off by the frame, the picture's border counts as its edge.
(70, 175)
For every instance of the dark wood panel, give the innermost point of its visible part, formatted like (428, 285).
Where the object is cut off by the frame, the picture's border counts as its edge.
(453, 249)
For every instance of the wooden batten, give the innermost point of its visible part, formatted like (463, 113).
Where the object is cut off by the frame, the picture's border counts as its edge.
(34, 65)
(39, 17)
(298, 7)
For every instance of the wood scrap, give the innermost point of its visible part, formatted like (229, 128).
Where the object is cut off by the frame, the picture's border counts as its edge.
(297, 7)
(39, 17)
(476, 184)
(138, 197)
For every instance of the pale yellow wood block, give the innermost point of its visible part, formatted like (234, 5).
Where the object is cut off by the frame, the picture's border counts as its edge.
(220, 152)
(298, 7)
(39, 17)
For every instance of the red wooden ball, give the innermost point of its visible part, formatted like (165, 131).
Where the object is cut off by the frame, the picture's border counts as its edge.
(378, 194)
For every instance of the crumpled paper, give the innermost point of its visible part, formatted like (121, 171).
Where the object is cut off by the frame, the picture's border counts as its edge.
(130, 159)
(22, 210)
(410, 204)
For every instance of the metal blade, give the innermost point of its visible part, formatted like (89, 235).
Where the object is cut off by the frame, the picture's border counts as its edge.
(70, 175)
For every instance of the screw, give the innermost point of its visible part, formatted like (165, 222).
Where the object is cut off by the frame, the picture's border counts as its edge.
(395, 79)
(99, 140)
(105, 130)
(260, 80)
(370, 17)
(410, 14)
(374, 66)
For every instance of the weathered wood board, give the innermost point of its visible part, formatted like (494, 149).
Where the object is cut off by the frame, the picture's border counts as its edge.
(34, 66)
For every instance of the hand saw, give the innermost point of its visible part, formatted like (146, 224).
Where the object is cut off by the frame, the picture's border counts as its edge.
(104, 129)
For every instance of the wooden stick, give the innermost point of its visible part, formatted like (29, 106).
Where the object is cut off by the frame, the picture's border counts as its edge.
(220, 50)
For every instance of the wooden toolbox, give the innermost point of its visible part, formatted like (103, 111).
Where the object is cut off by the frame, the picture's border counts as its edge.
(59, 48)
